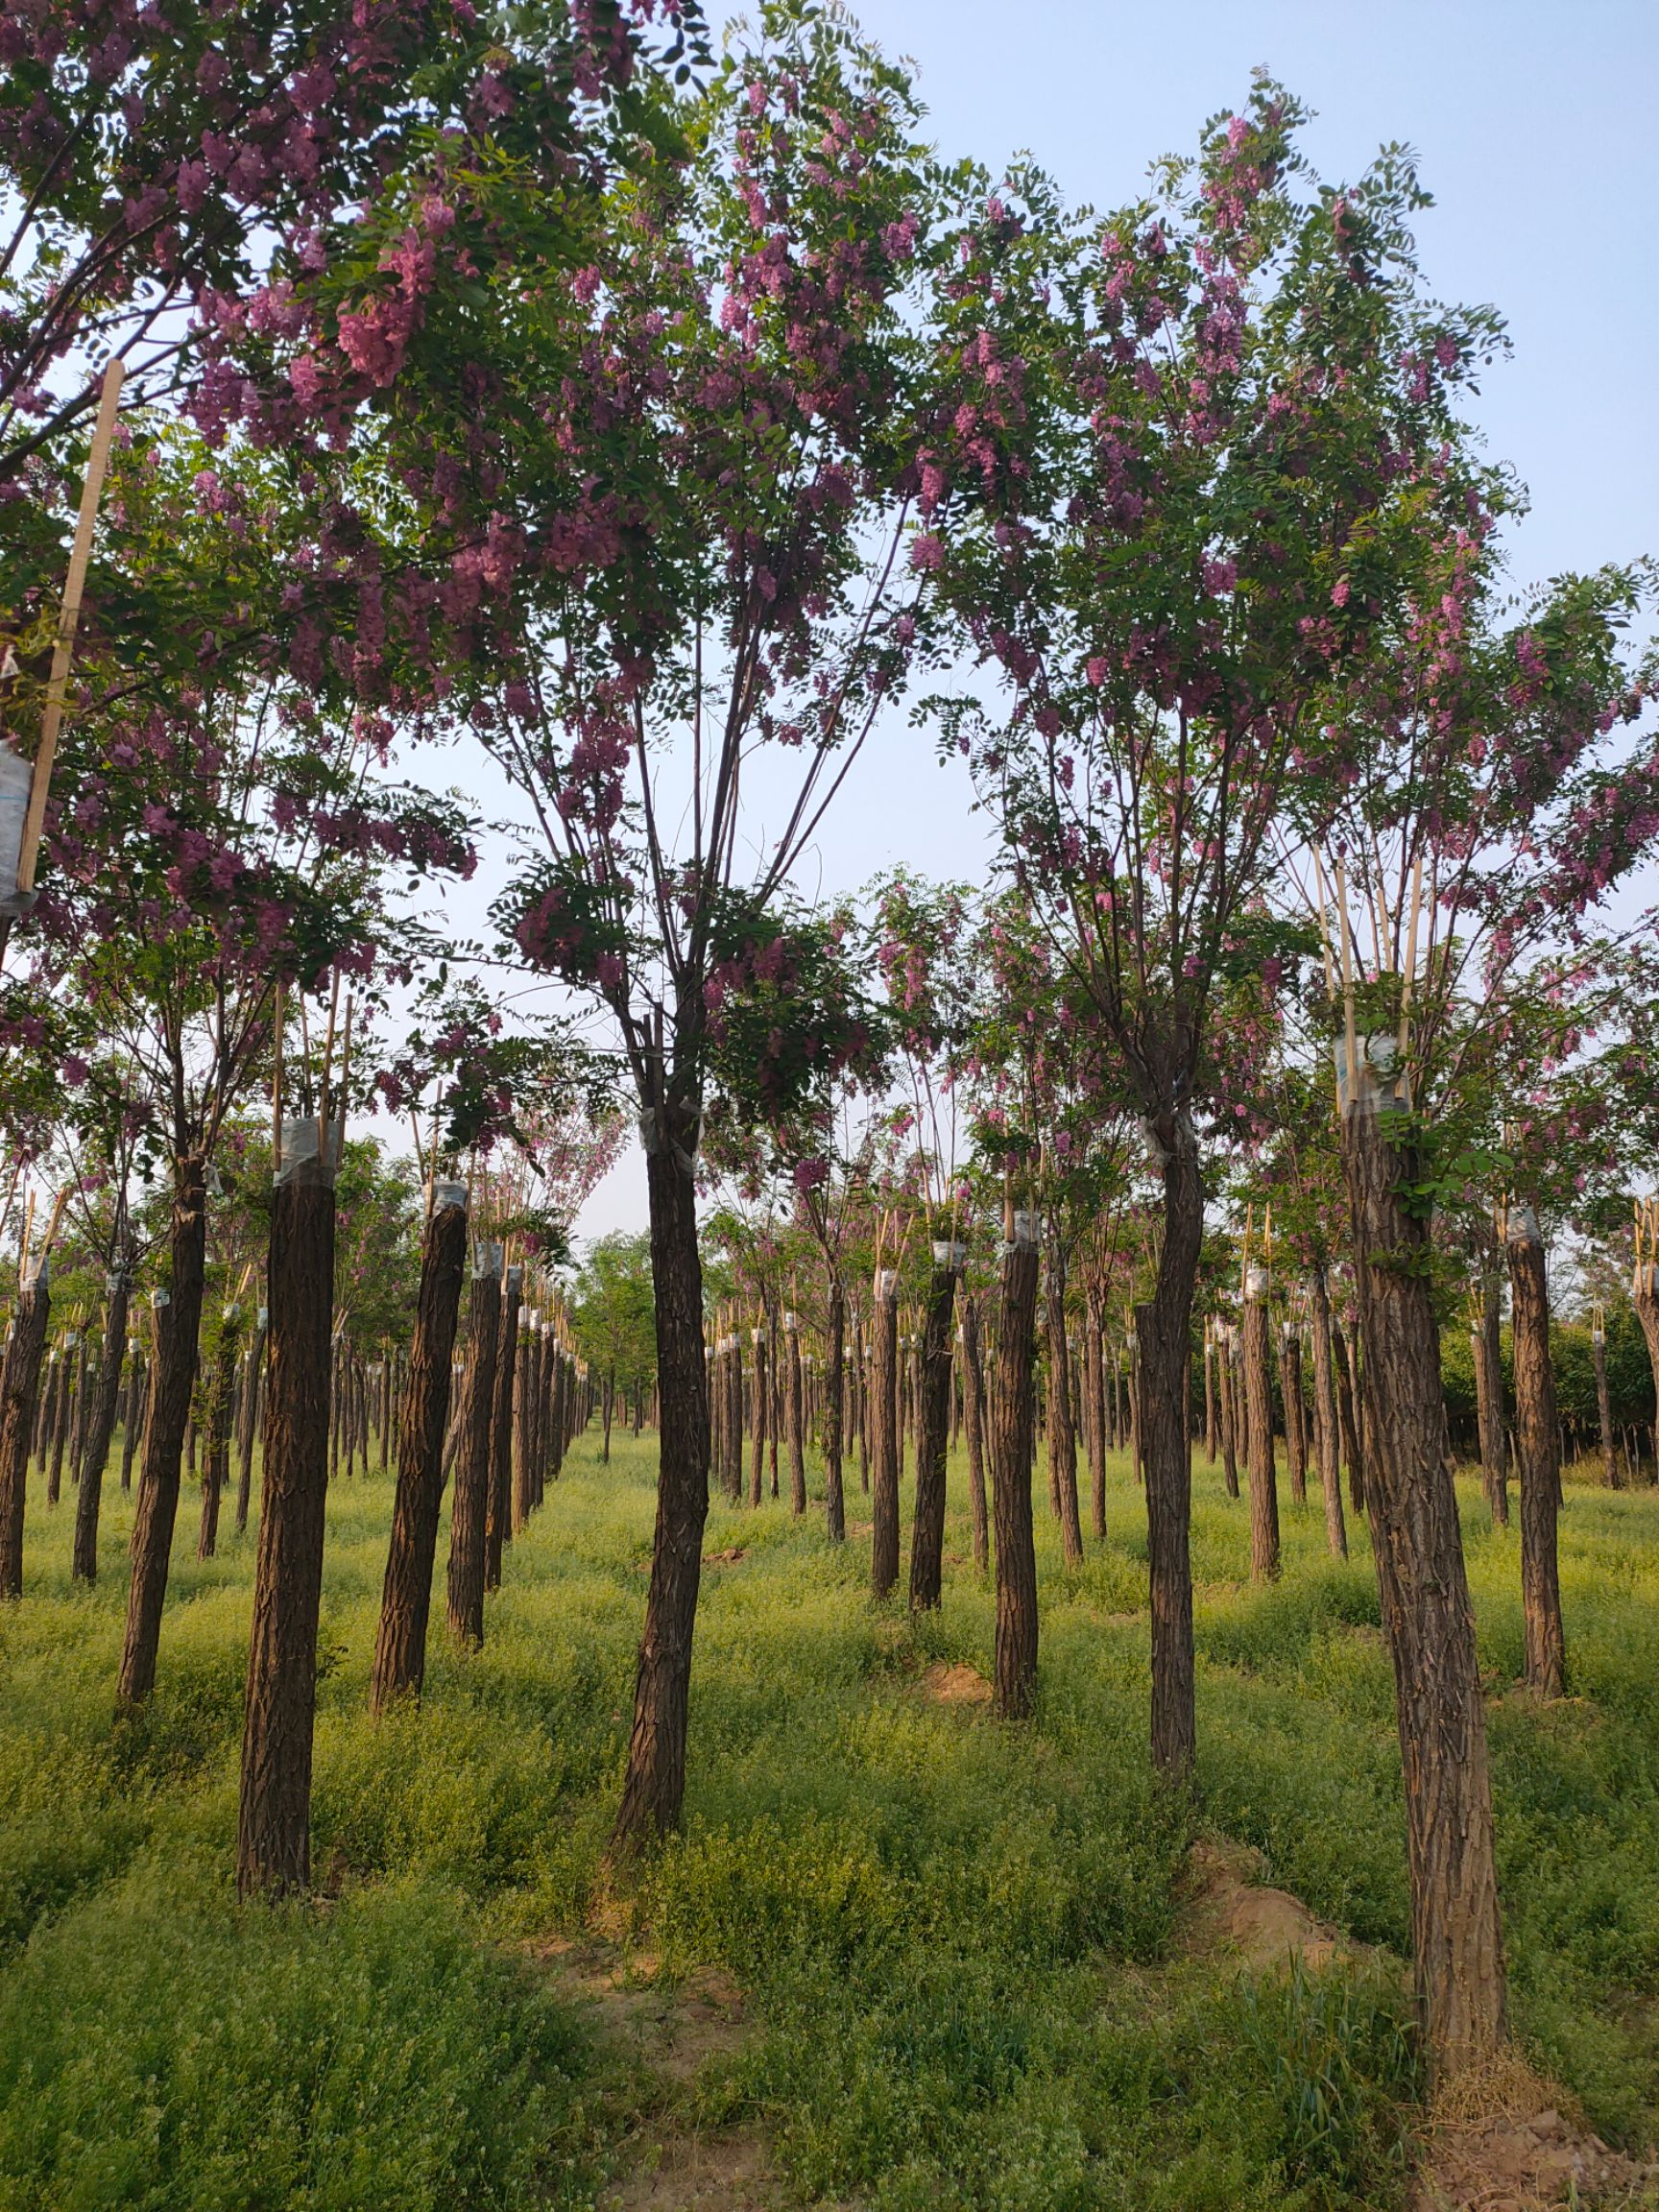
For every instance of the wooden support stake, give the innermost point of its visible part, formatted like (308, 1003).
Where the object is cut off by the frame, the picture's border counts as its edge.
(68, 621)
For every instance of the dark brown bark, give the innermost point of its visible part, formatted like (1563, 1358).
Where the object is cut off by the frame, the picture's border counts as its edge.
(178, 1332)
(933, 1432)
(1013, 1421)
(834, 1387)
(1095, 1401)
(760, 1394)
(1538, 1457)
(469, 1507)
(273, 1826)
(885, 1437)
(1163, 1328)
(1295, 1413)
(1426, 1615)
(405, 1602)
(101, 1429)
(653, 1786)
(20, 1388)
(1326, 1437)
(57, 1416)
(137, 1412)
(497, 1525)
(1259, 1439)
(1228, 1378)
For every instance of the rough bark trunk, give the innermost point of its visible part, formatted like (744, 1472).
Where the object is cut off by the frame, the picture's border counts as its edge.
(101, 1429)
(497, 1525)
(1426, 1615)
(933, 1435)
(835, 1384)
(406, 1599)
(470, 1505)
(1163, 1328)
(757, 1417)
(1013, 1421)
(274, 1827)
(1538, 1454)
(1228, 1382)
(654, 1787)
(178, 1325)
(20, 1387)
(1348, 1411)
(1325, 1416)
(1259, 1437)
(884, 1439)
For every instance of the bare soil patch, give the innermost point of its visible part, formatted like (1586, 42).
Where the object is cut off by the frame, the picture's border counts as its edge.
(1503, 2139)
(959, 1685)
(1227, 1908)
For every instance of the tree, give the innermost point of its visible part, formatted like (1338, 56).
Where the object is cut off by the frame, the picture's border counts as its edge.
(610, 1310)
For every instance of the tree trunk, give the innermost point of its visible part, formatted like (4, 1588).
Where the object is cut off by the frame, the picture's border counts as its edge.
(497, 1525)
(274, 1827)
(884, 1436)
(1295, 1413)
(835, 1384)
(974, 1425)
(101, 1429)
(406, 1599)
(1259, 1434)
(1325, 1417)
(1162, 1330)
(933, 1431)
(1013, 1421)
(1426, 1615)
(178, 1328)
(20, 1387)
(1538, 1451)
(759, 1393)
(653, 1786)
(1228, 1382)
(470, 1505)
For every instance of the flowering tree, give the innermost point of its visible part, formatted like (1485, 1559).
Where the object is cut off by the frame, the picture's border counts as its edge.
(697, 488)
(1185, 425)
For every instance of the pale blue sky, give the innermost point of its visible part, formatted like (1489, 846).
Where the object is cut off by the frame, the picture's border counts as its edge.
(1533, 122)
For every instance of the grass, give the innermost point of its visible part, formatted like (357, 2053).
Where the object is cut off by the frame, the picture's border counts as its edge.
(958, 1942)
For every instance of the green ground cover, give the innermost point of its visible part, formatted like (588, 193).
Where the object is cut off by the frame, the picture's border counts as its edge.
(959, 1944)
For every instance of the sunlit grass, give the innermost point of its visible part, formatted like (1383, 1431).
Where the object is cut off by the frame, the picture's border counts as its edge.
(956, 1938)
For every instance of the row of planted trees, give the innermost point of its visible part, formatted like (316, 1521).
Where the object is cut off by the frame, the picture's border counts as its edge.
(557, 391)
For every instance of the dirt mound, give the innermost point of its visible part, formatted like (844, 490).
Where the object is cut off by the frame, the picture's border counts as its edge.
(1498, 2140)
(672, 2027)
(959, 1685)
(1229, 1909)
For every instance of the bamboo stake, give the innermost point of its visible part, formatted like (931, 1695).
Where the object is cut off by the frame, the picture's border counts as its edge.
(1410, 955)
(1350, 1043)
(68, 621)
